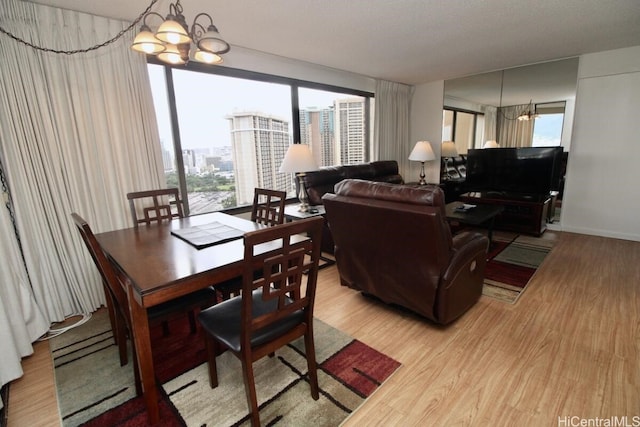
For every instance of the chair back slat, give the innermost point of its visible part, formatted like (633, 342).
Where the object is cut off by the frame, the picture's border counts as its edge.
(153, 206)
(268, 206)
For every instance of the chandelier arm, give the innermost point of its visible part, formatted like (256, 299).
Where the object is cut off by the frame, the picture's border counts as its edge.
(146, 15)
(197, 30)
(86, 50)
(175, 8)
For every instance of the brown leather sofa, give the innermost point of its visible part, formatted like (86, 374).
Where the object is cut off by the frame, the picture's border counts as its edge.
(318, 183)
(322, 181)
(393, 242)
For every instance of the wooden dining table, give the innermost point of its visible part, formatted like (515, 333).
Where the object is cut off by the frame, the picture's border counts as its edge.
(156, 266)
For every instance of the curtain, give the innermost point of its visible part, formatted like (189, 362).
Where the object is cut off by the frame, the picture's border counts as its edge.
(21, 321)
(490, 118)
(77, 132)
(513, 132)
(391, 123)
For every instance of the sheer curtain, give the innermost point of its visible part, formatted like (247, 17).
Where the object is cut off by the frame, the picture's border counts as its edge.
(78, 132)
(391, 123)
(513, 132)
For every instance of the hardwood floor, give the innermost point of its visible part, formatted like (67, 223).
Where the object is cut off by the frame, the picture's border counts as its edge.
(568, 348)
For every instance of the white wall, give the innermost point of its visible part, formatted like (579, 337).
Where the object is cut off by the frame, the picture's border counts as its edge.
(602, 196)
(426, 125)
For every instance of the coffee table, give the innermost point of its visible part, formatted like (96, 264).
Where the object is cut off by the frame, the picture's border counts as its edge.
(479, 215)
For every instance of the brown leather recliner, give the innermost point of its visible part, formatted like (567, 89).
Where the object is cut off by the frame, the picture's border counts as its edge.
(393, 242)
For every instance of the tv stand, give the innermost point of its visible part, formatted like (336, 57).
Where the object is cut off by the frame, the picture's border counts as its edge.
(525, 213)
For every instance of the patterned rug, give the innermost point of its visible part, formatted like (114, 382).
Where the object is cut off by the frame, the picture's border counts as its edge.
(94, 390)
(511, 263)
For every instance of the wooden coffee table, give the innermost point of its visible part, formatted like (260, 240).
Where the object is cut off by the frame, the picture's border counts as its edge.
(483, 215)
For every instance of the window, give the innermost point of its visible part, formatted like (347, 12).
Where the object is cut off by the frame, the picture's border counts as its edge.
(547, 130)
(547, 127)
(464, 127)
(224, 132)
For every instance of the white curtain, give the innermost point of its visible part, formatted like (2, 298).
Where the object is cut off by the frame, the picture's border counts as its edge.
(77, 132)
(511, 131)
(391, 123)
(21, 321)
(490, 118)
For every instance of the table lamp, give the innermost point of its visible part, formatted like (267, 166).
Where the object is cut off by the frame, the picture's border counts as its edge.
(298, 159)
(448, 152)
(491, 144)
(422, 152)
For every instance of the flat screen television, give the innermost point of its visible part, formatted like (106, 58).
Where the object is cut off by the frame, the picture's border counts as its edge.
(532, 170)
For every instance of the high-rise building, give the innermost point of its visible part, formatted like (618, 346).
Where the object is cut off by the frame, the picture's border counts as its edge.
(350, 132)
(336, 134)
(259, 142)
(317, 131)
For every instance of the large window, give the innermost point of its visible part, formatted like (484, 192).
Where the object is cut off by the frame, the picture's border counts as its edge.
(224, 134)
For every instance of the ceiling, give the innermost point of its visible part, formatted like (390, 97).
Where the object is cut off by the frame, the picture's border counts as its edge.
(408, 41)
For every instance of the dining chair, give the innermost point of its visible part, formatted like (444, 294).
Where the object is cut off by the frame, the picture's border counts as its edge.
(153, 206)
(274, 308)
(117, 301)
(267, 209)
(268, 206)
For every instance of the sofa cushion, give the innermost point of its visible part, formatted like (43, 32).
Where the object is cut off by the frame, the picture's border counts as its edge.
(430, 195)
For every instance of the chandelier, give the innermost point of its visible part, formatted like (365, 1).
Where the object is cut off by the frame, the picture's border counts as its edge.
(529, 113)
(175, 43)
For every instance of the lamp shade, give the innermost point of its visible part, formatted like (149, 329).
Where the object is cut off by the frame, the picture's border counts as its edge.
(491, 144)
(298, 158)
(171, 55)
(422, 152)
(172, 32)
(449, 149)
(146, 42)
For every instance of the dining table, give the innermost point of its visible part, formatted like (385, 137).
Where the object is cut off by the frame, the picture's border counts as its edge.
(156, 265)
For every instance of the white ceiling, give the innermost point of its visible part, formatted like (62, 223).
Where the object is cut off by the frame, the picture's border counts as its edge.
(408, 41)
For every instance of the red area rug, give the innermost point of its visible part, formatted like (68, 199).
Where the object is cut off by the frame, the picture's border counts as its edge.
(94, 390)
(512, 261)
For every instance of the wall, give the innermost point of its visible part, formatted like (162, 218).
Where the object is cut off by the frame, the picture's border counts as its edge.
(426, 124)
(253, 60)
(601, 193)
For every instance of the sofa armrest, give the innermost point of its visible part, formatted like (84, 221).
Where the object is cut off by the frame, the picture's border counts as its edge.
(461, 284)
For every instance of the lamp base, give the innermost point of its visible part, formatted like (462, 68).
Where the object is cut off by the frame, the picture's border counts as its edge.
(422, 176)
(304, 207)
(302, 195)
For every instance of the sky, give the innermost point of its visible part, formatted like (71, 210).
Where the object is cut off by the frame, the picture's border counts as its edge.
(204, 99)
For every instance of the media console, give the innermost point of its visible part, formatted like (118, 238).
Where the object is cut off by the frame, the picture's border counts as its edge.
(523, 213)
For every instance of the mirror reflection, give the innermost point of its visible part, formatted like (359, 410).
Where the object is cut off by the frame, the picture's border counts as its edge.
(521, 107)
(528, 106)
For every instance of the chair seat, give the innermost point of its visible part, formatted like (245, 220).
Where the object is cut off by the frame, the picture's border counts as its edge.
(223, 321)
(186, 302)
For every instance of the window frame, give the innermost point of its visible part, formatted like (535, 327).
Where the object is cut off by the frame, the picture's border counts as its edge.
(295, 85)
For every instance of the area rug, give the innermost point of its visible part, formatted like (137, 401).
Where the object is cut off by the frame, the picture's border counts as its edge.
(94, 390)
(511, 263)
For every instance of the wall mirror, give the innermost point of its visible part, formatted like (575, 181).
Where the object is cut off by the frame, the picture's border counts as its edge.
(486, 106)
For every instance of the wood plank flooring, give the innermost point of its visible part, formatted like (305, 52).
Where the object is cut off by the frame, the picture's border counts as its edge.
(568, 348)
